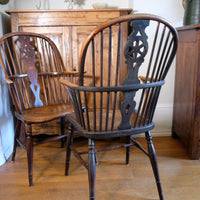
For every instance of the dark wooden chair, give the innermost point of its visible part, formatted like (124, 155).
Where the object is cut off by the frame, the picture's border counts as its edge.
(118, 103)
(33, 67)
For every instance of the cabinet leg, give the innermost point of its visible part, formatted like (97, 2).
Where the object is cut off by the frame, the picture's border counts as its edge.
(174, 135)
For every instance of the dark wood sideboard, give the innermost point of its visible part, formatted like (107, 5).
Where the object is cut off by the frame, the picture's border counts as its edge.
(186, 116)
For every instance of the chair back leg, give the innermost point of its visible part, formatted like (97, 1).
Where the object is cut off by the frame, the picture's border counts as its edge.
(128, 141)
(17, 133)
(91, 169)
(153, 159)
(68, 149)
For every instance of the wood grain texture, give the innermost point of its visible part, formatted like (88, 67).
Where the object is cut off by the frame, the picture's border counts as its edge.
(186, 117)
(67, 28)
(115, 180)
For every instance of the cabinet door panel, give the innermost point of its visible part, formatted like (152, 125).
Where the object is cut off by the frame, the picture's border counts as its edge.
(79, 35)
(61, 37)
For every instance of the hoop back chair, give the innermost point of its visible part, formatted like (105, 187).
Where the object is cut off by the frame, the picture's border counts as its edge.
(116, 105)
(33, 66)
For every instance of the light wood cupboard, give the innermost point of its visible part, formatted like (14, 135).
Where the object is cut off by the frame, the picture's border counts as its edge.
(67, 28)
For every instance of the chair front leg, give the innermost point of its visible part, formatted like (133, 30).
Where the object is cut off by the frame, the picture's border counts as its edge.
(17, 134)
(29, 146)
(128, 141)
(91, 169)
(153, 159)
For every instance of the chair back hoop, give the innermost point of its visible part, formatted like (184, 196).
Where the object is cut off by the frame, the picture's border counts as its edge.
(33, 67)
(123, 65)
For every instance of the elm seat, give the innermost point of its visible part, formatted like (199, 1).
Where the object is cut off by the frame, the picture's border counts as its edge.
(33, 66)
(94, 130)
(42, 114)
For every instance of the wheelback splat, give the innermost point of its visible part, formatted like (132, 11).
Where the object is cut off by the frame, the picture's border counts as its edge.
(28, 56)
(135, 50)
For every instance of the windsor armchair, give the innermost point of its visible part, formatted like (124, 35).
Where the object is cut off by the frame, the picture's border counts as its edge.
(116, 105)
(32, 66)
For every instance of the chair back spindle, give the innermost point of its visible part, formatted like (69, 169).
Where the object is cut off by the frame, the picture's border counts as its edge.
(117, 76)
(31, 61)
(123, 65)
(33, 67)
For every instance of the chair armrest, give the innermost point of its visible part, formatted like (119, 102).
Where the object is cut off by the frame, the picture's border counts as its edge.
(71, 72)
(74, 73)
(67, 83)
(112, 88)
(8, 81)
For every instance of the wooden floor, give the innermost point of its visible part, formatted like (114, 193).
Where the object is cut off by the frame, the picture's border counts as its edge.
(114, 181)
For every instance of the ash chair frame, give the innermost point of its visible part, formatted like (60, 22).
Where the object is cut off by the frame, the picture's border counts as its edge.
(116, 105)
(33, 66)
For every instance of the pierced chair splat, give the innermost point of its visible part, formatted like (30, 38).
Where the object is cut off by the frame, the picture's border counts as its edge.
(122, 102)
(33, 66)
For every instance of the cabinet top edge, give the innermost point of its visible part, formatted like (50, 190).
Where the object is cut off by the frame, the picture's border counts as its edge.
(187, 27)
(68, 10)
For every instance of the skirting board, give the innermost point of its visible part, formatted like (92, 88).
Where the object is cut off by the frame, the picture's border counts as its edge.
(163, 120)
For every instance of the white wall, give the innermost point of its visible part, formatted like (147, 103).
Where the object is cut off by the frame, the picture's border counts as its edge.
(8, 6)
(61, 4)
(173, 11)
(169, 9)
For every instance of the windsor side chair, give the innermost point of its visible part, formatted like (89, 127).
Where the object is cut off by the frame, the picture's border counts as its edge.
(33, 66)
(116, 105)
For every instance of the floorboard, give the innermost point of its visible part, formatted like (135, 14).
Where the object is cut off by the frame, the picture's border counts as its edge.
(180, 176)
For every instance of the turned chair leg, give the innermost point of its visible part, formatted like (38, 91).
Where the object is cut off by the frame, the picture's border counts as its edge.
(128, 141)
(68, 149)
(17, 134)
(29, 153)
(91, 169)
(62, 130)
(153, 159)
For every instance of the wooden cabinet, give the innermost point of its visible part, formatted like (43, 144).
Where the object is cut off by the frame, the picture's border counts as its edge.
(186, 117)
(67, 28)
